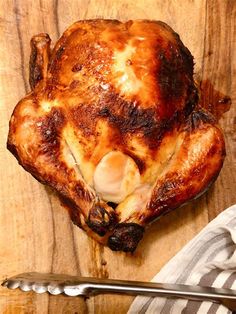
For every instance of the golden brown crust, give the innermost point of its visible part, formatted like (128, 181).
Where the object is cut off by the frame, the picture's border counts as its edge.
(39, 58)
(111, 86)
(193, 170)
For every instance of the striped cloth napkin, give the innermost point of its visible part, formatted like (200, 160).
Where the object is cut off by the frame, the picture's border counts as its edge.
(207, 260)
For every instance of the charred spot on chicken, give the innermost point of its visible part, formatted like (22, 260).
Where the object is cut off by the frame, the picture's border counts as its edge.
(112, 123)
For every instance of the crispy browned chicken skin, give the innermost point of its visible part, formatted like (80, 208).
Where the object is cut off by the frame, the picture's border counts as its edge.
(112, 124)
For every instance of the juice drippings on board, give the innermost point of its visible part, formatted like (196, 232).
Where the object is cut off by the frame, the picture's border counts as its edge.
(212, 100)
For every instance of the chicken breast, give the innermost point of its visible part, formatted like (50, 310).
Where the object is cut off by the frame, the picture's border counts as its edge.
(113, 125)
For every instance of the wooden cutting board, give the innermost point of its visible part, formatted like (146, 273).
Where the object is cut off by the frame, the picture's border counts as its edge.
(35, 231)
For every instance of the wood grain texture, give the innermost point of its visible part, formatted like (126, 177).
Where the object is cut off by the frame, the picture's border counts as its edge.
(35, 231)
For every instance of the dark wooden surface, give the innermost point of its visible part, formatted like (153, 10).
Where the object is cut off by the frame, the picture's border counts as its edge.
(35, 231)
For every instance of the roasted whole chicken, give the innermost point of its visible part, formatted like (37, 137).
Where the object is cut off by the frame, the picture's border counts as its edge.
(113, 125)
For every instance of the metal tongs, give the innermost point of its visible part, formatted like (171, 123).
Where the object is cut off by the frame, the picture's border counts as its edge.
(82, 286)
